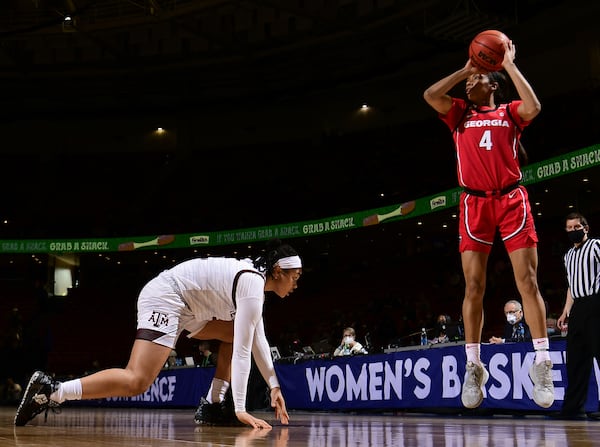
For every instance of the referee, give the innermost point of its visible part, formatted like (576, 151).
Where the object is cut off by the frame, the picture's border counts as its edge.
(582, 309)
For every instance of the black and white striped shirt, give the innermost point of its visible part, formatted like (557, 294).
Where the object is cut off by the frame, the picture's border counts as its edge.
(583, 269)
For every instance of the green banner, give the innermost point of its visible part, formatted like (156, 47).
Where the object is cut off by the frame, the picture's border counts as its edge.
(536, 172)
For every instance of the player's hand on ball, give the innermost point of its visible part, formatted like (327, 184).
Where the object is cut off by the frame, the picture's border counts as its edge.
(510, 52)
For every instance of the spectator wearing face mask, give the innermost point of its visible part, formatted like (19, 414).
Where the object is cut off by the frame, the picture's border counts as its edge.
(515, 329)
(349, 345)
(446, 330)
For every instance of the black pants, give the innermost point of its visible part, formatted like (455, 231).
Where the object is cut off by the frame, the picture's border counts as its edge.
(583, 344)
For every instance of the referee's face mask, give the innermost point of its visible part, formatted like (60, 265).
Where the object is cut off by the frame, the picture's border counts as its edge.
(576, 230)
(576, 236)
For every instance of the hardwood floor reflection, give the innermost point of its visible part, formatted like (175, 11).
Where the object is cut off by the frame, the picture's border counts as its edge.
(82, 427)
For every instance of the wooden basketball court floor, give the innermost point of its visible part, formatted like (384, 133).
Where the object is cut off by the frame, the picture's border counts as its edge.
(103, 427)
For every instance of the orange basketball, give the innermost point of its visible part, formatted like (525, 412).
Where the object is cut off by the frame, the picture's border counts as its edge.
(487, 50)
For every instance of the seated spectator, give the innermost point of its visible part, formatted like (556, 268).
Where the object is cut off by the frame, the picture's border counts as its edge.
(515, 329)
(349, 345)
(446, 330)
(440, 334)
(206, 357)
(552, 327)
(172, 360)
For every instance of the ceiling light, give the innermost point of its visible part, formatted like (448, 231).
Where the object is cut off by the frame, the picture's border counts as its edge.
(68, 24)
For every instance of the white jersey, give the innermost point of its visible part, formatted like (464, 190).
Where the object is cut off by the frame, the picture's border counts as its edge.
(194, 292)
(207, 286)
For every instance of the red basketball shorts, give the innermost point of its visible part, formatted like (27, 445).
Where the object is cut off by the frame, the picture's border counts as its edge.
(509, 214)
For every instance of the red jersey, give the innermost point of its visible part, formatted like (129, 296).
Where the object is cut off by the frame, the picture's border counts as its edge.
(487, 144)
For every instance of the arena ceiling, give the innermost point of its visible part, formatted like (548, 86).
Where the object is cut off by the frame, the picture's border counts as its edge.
(95, 54)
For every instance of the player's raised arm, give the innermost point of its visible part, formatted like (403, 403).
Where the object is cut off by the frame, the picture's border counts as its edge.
(437, 94)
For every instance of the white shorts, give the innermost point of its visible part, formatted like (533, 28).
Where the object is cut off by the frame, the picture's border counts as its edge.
(162, 314)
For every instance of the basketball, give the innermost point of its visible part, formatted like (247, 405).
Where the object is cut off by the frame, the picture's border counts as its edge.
(487, 50)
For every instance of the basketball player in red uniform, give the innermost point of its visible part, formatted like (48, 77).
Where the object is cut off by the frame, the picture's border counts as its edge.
(486, 132)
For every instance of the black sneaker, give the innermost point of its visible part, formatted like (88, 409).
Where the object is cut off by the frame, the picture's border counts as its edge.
(594, 416)
(209, 414)
(228, 410)
(221, 413)
(36, 398)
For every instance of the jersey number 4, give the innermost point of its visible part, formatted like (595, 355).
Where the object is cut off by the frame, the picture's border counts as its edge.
(486, 140)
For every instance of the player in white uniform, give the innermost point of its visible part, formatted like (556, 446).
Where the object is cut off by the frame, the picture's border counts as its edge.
(212, 298)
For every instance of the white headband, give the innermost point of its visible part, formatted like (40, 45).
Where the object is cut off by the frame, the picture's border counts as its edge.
(290, 262)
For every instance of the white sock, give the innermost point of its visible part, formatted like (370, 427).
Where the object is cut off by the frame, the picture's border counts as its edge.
(218, 388)
(69, 390)
(541, 346)
(473, 353)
